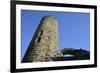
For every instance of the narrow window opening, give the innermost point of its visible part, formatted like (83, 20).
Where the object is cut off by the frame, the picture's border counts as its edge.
(39, 39)
(41, 33)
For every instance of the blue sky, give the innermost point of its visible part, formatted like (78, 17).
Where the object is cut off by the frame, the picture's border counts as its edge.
(73, 27)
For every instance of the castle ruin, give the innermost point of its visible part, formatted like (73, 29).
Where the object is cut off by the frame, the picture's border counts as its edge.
(44, 44)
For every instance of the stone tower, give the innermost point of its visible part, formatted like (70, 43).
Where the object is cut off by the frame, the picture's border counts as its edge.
(44, 45)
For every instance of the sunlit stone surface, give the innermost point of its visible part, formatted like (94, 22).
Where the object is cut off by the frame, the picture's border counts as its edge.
(44, 45)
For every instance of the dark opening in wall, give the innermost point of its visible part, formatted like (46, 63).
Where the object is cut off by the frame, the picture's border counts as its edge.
(41, 33)
(39, 39)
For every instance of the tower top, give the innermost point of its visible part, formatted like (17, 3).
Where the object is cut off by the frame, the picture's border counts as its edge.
(49, 17)
(46, 18)
(48, 21)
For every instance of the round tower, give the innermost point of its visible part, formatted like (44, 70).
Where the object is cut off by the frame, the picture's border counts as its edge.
(44, 45)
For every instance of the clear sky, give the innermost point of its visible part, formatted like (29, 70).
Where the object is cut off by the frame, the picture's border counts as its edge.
(74, 28)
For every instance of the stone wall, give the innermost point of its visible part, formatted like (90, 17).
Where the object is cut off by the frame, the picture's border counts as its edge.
(44, 45)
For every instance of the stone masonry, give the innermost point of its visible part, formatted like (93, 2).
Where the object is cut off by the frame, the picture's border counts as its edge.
(44, 45)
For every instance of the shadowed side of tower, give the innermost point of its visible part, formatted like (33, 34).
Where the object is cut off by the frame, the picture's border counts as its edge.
(44, 44)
